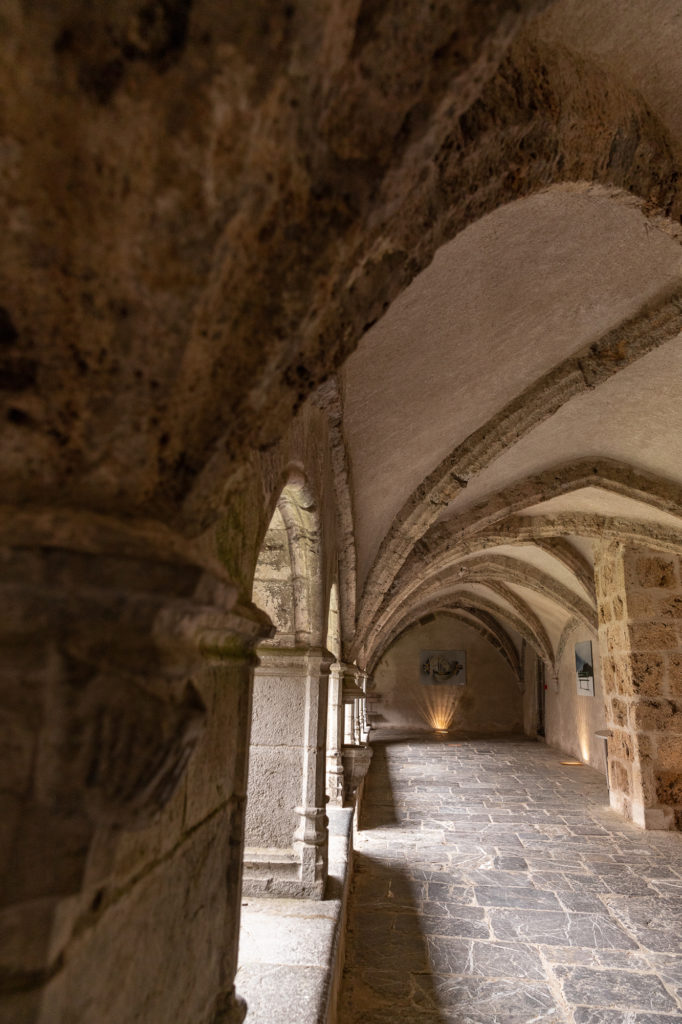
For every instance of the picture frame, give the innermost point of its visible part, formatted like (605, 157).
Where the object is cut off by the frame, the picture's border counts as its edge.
(443, 668)
(584, 668)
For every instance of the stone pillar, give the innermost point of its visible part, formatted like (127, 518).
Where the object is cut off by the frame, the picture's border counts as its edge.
(231, 663)
(364, 683)
(349, 723)
(357, 722)
(356, 754)
(639, 594)
(335, 731)
(352, 693)
(286, 825)
(124, 703)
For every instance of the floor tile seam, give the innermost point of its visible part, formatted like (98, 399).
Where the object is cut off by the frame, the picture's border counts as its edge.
(602, 967)
(447, 975)
(621, 924)
(250, 962)
(620, 1009)
(673, 994)
(555, 986)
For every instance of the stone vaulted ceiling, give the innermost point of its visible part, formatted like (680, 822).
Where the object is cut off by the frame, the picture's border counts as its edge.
(482, 466)
(463, 217)
(486, 454)
(499, 307)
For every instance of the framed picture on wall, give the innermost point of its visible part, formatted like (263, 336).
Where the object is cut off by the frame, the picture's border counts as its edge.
(584, 668)
(439, 667)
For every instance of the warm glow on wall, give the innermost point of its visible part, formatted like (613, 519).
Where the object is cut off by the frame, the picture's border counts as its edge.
(438, 705)
(583, 741)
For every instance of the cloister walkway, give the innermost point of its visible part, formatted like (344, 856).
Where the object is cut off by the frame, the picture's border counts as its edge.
(493, 885)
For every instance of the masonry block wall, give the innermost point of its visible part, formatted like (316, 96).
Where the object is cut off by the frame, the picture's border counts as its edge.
(639, 593)
(491, 701)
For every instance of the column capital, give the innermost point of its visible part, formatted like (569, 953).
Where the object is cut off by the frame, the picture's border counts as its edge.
(349, 674)
(103, 639)
(113, 635)
(293, 660)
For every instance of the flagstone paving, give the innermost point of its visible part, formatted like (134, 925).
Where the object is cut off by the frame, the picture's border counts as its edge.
(492, 885)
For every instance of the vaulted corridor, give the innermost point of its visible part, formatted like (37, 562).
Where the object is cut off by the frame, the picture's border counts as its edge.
(493, 884)
(340, 363)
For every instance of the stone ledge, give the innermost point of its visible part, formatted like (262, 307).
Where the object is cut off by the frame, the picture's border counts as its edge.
(291, 951)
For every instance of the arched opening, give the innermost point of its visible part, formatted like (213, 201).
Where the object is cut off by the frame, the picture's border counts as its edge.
(335, 776)
(334, 623)
(286, 829)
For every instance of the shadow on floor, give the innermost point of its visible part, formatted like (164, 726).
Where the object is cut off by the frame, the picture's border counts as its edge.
(378, 806)
(387, 976)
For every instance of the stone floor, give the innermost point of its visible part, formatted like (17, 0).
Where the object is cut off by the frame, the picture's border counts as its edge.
(492, 884)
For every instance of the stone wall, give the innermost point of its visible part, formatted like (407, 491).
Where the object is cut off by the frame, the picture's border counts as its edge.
(571, 720)
(200, 228)
(640, 611)
(125, 750)
(529, 667)
(490, 702)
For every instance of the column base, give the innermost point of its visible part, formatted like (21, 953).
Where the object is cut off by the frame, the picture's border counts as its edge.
(231, 1009)
(279, 874)
(652, 819)
(660, 819)
(335, 779)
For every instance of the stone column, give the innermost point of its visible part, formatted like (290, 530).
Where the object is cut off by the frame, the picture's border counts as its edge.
(349, 723)
(352, 693)
(335, 730)
(355, 752)
(231, 664)
(364, 683)
(286, 825)
(123, 764)
(357, 722)
(639, 594)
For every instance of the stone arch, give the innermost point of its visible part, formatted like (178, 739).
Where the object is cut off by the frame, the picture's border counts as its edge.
(485, 624)
(496, 520)
(286, 832)
(417, 519)
(522, 529)
(328, 398)
(490, 570)
(334, 622)
(469, 600)
(607, 474)
(288, 581)
(533, 124)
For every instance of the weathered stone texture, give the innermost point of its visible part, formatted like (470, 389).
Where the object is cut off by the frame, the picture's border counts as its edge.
(139, 662)
(286, 829)
(644, 651)
(205, 207)
(165, 925)
(652, 572)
